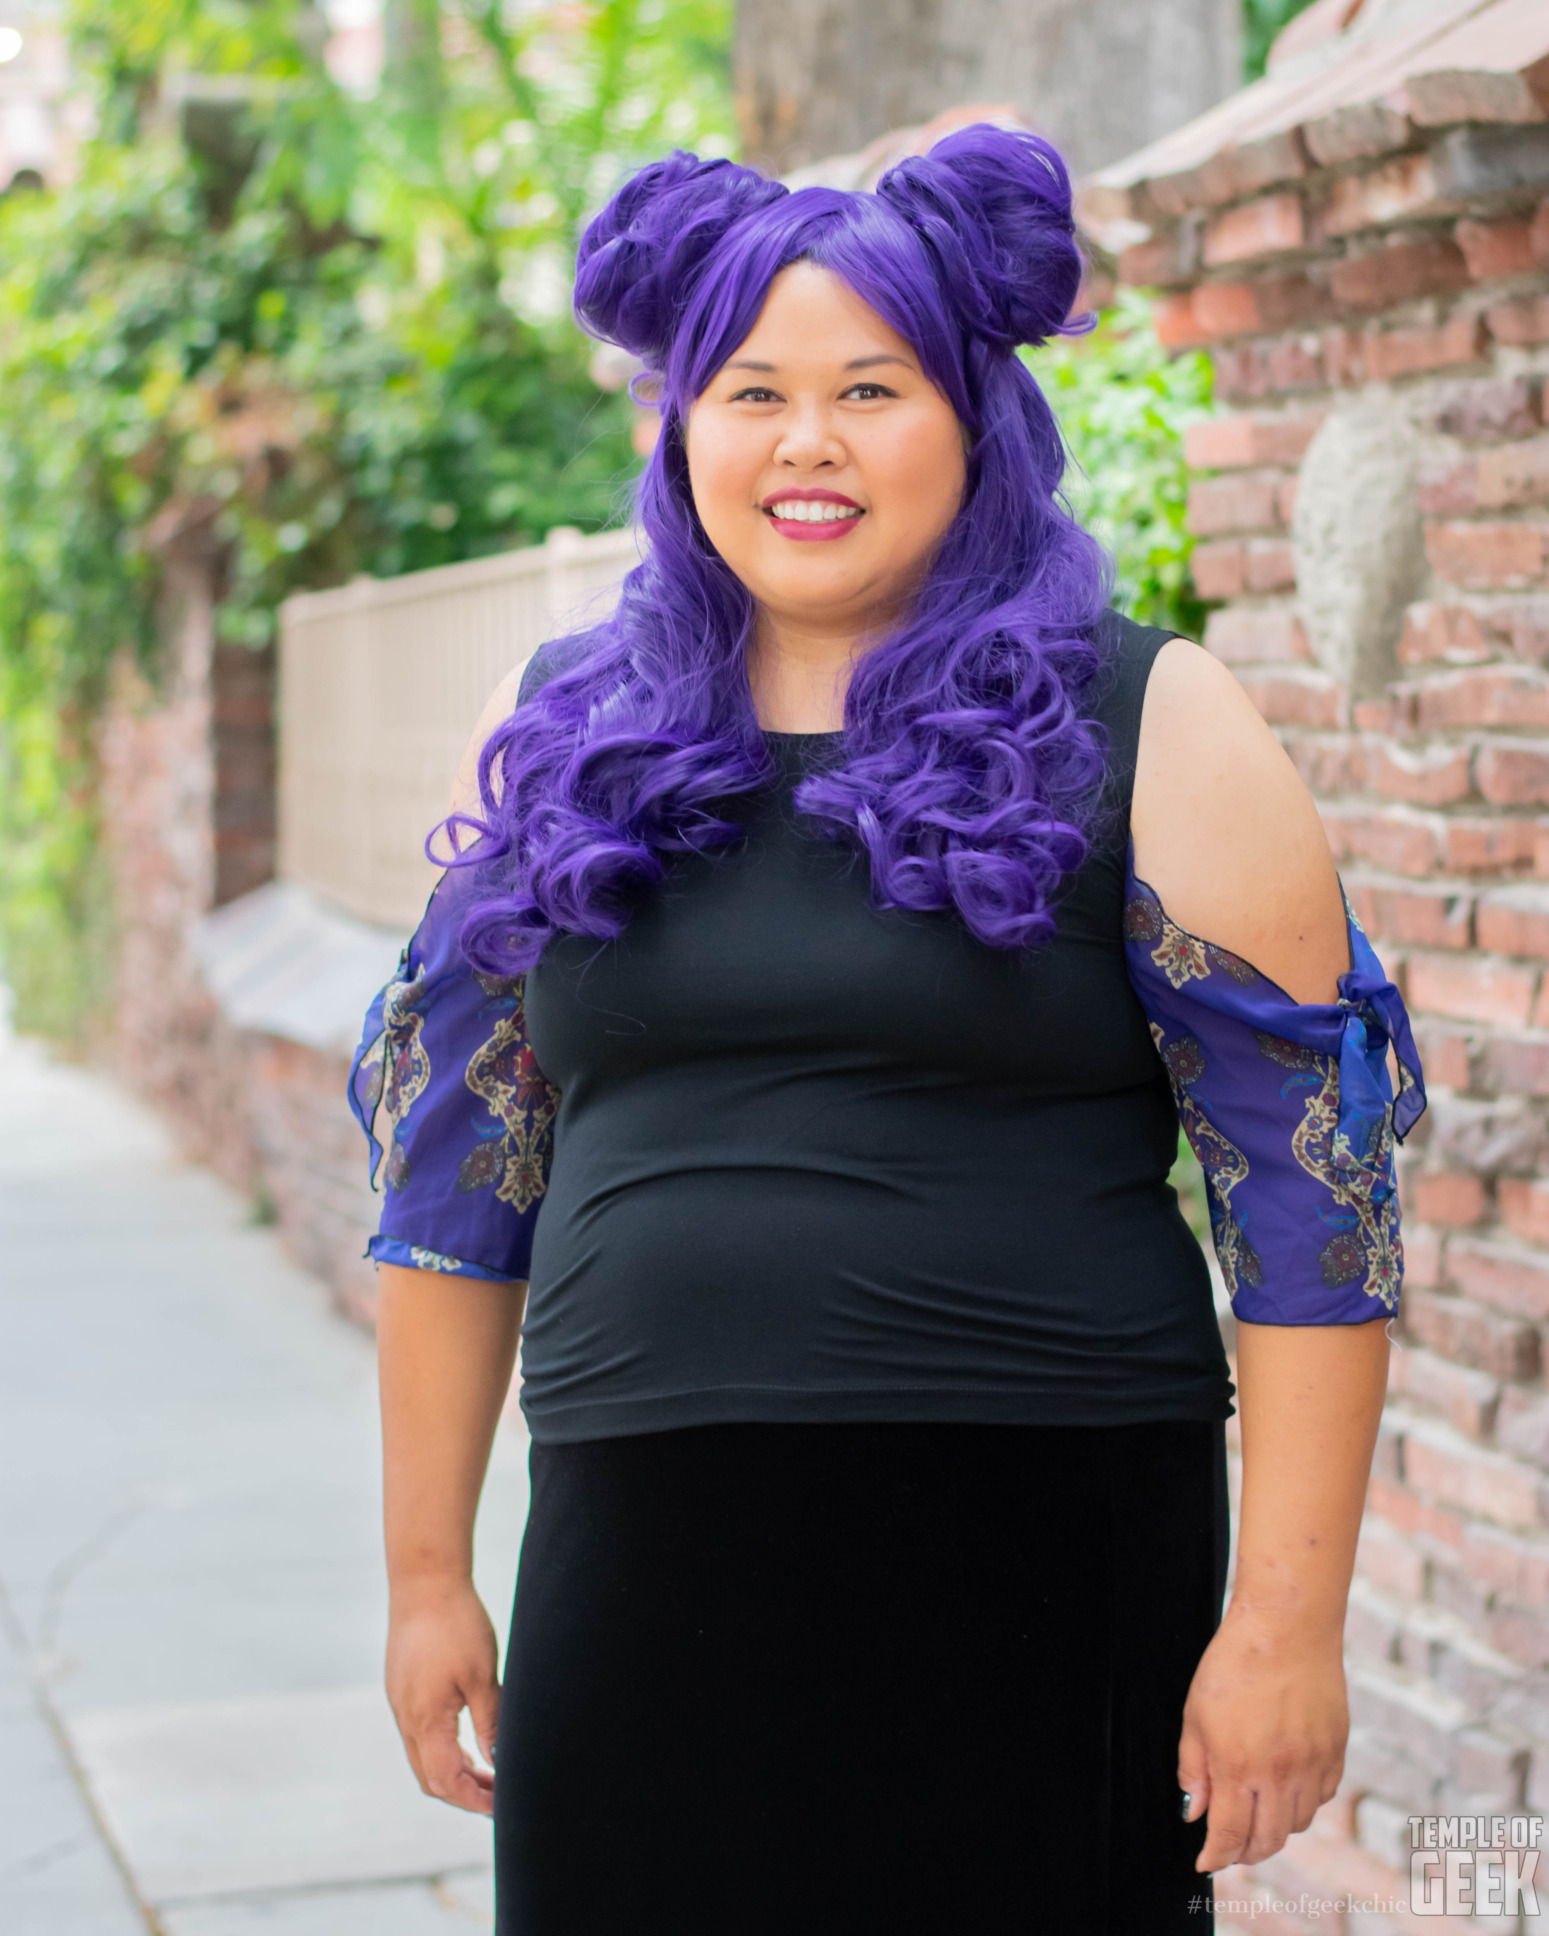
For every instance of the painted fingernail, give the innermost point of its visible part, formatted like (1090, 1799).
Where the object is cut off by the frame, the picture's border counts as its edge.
(1188, 1803)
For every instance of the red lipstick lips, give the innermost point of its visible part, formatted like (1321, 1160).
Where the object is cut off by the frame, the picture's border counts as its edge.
(814, 525)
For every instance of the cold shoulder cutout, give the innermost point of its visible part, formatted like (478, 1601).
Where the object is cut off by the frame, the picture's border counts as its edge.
(1290, 1109)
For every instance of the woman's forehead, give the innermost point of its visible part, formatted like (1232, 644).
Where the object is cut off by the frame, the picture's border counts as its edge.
(812, 315)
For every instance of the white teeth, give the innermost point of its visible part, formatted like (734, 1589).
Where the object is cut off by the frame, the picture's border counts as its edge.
(800, 510)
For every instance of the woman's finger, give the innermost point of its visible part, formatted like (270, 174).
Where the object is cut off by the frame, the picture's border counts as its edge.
(1229, 1825)
(484, 1712)
(1193, 1775)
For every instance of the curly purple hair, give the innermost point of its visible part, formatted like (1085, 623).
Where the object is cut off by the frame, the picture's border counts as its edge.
(969, 774)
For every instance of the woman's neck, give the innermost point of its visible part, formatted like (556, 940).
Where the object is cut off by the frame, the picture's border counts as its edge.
(799, 674)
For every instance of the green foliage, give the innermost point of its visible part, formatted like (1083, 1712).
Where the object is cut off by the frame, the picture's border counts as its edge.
(1261, 21)
(322, 336)
(1124, 403)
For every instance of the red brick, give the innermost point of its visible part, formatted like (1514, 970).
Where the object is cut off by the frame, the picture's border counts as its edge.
(1538, 236)
(1293, 696)
(1523, 1426)
(1466, 1398)
(1220, 570)
(1240, 371)
(1494, 249)
(1391, 353)
(1167, 258)
(1515, 921)
(1514, 474)
(1246, 502)
(1413, 1515)
(1449, 484)
(1444, 1053)
(1524, 1200)
(1399, 272)
(1520, 1635)
(1513, 773)
(1422, 1257)
(1466, 1476)
(1487, 407)
(1255, 308)
(1227, 309)
(1324, 761)
(1486, 554)
(1505, 1279)
(1417, 917)
(1520, 323)
(1344, 357)
(1480, 846)
(1271, 225)
(1231, 443)
(1380, 196)
(1473, 988)
(1435, 777)
(1403, 843)
(1385, 1557)
(1506, 1563)
(1452, 1197)
(1272, 568)
(1176, 326)
(1524, 622)
(1433, 630)
(1255, 635)
(1291, 366)
(1472, 1334)
(1285, 498)
(1490, 696)
(1517, 1066)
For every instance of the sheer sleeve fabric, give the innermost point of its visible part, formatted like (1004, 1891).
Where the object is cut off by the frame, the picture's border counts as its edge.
(1290, 1109)
(446, 1087)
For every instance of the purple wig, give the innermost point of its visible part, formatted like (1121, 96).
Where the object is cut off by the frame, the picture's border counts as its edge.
(969, 774)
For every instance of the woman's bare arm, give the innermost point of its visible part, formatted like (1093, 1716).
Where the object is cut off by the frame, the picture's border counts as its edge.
(1266, 1721)
(446, 1349)
(1230, 839)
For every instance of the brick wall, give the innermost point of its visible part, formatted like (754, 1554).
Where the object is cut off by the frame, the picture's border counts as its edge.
(188, 771)
(1415, 289)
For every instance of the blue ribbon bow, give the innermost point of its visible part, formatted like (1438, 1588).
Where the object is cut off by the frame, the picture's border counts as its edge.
(1375, 1018)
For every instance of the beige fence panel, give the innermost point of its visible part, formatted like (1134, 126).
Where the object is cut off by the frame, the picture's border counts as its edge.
(380, 684)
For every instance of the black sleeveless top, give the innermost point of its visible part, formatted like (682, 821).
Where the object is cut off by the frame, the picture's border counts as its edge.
(816, 1161)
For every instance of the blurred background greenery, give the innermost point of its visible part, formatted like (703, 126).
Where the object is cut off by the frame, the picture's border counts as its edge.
(332, 331)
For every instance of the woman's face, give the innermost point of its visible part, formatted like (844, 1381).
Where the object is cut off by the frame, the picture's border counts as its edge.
(825, 465)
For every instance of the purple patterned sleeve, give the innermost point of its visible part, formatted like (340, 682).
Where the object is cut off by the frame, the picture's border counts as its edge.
(445, 1066)
(1291, 1112)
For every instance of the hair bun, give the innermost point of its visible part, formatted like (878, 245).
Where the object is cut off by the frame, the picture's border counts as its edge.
(640, 258)
(994, 206)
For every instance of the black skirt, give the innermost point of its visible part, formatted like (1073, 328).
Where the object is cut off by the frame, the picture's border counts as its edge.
(876, 1679)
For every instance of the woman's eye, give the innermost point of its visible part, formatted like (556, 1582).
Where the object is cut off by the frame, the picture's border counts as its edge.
(754, 394)
(871, 391)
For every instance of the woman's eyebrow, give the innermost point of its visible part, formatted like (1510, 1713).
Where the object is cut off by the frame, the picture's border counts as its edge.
(856, 363)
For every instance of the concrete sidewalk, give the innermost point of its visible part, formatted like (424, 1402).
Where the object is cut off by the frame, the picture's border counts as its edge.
(193, 1739)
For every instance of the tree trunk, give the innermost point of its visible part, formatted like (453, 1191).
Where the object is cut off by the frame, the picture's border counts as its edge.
(1100, 77)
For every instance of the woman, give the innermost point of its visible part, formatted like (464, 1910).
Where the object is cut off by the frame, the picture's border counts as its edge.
(809, 1018)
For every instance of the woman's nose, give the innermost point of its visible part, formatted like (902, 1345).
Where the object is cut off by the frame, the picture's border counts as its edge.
(808, 440)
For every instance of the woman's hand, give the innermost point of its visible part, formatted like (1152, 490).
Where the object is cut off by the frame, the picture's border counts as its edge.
(442, 1658)
(1264, 1732)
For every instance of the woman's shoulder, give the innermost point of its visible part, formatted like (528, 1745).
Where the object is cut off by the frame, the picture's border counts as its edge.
(1225, 830)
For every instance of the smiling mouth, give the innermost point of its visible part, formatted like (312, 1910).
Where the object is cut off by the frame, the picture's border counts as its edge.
(796, 510)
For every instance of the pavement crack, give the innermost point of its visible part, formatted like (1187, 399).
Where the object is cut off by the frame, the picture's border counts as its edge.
(72, 1566)
(45, 1858)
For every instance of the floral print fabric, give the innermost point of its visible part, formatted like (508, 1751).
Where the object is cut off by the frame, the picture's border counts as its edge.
(445, 1067)
(1290, 1109)
(1288, 1106)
